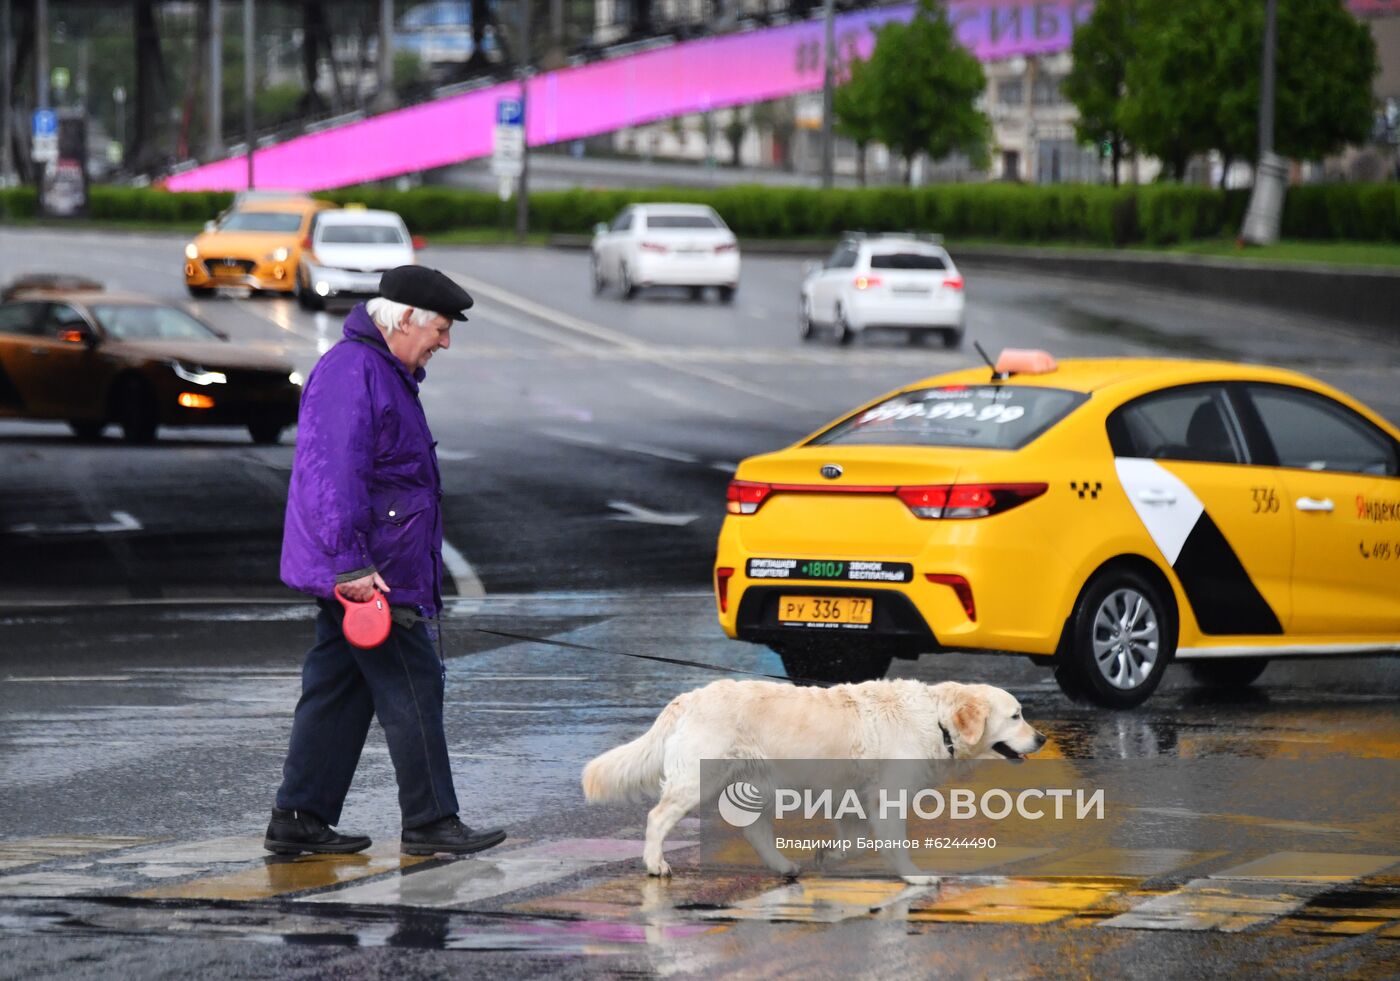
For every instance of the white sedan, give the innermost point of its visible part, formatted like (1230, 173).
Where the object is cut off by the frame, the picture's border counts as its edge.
(905, 283)
(347, 251)
(684, 245)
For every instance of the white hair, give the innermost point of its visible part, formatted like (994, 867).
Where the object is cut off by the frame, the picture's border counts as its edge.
(388, 313)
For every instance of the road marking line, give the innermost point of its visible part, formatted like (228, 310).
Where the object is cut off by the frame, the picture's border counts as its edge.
(646, 516)
(66, 678)
(557, 317)
(540, 333)
(280, 876)
(283, 324)
(675, 456)
(468, 583)
(121, 521)
(234, 848)
(491, 874)
(1223, 905)
(31, 851)
(664, 393)
(724, 466)
(55, 884)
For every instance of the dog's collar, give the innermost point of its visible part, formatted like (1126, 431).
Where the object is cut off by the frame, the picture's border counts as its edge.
(948, 741)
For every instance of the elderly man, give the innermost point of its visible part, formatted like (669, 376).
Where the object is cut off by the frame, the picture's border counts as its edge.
(364, 515)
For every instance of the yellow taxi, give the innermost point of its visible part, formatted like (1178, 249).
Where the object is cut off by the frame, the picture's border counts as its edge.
(1105, 517)
(257, 245)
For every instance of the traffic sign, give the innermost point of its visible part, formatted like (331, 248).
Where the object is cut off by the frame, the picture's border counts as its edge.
(509, 112)
(45, 145)
(508, 156)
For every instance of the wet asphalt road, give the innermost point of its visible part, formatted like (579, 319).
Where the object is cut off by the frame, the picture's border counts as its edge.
(131, 705)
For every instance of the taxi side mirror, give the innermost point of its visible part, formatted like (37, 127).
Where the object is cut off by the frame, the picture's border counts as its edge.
(601, 228)
(811, 268)
(209, 226)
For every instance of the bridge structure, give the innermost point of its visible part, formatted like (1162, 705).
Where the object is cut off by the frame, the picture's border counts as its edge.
(629, 90)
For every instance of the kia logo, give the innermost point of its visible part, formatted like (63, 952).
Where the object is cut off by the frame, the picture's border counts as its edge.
(832, 470)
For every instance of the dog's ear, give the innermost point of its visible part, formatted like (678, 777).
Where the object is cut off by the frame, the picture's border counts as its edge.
(970, 716)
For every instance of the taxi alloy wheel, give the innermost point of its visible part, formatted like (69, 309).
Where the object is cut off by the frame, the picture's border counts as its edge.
(1123, 634)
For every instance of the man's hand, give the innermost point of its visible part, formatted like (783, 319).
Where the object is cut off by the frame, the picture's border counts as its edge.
(361, 590)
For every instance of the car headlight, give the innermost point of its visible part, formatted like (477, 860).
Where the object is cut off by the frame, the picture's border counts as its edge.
(280, 254)
(191, 252)
(196, 375)
(295, 378)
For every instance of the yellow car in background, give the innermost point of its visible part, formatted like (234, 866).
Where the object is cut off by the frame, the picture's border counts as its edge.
(1105, 517)
(257, 245)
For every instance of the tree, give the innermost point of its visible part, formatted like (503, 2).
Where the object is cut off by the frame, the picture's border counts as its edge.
(1102, 49)
(1192, 84)
(924, 86)
(853, 105)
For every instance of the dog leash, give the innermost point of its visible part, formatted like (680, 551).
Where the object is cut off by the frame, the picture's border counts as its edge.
(682, 662)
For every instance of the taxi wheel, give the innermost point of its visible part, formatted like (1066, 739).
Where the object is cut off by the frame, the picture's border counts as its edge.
(833, 664)
(726, 294)
(916, 338)
(952, 339)
(697, 293)
(596, 274)
(135, 410)
(625, 284)
(1121, 636)
(200, 292)
(1230, 672)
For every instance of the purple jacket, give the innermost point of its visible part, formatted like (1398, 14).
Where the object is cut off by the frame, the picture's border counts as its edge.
(366, 493)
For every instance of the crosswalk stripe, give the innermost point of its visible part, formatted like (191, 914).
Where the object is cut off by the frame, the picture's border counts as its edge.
(284, 876)
(19, 852)
(494, 873)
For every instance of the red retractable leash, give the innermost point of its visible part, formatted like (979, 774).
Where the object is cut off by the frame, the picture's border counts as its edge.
(366, 625)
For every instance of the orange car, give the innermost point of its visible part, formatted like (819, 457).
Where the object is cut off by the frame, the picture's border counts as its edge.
(257, 245)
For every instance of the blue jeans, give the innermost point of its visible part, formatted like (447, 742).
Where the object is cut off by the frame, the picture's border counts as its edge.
(342, 689)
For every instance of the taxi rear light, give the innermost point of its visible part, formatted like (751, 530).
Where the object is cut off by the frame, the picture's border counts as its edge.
(961, 588)
(865, 282)
(726, 247)
(654, 247)
(746, 496)
(951, 501)
(722, 577)
(953, 282)
(419, 242)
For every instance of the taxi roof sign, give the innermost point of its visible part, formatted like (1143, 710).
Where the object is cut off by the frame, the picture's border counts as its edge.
(1024, 361)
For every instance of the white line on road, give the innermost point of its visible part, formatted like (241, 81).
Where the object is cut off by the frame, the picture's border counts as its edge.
(665, 393)
(468, 584)
(583, 439)
(453, 455)
(646, 516)
(121, 521)
(724, 466)
(567, 321)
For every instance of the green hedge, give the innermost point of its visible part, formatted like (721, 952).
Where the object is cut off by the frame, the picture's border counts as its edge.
(1156, 214)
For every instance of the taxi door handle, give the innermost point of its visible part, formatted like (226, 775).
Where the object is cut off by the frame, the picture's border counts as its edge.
(1156, 497)
(1309, 504)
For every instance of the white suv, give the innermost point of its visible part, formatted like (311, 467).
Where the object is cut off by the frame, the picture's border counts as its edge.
(666, 245)
(885, 282)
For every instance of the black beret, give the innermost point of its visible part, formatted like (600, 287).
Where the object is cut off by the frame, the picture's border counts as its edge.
(425, 289)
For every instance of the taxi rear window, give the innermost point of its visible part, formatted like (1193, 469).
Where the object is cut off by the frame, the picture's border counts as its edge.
(261, 221)
(999, 417)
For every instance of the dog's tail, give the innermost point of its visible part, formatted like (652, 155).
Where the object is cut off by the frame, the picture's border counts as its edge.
(633, 770)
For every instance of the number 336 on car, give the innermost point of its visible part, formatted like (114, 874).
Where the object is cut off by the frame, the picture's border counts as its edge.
(1105, 517)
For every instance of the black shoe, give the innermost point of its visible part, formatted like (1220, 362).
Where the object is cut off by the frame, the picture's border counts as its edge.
(449, 835)
(294, 832)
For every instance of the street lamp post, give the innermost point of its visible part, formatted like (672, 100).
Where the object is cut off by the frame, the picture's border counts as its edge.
(1261, 221)
(828, 84)
(249, 135)
(522, 187)
(6, 133)
(214, 143)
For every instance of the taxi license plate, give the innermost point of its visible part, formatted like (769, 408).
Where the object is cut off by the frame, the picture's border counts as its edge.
(824, 609)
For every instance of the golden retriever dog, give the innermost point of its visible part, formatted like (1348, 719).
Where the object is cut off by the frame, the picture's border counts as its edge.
(762, 720)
